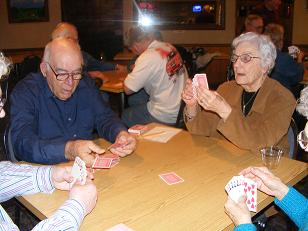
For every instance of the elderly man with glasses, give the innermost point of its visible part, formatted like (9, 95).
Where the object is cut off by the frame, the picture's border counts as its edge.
(252, 111)
(55, 112)
(22, 179)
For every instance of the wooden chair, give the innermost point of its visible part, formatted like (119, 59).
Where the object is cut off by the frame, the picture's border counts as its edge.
(292, 139)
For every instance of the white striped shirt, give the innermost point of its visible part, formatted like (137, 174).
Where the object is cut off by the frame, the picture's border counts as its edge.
(17, 180)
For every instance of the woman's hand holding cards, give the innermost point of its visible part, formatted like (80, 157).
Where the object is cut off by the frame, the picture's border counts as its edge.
(238, 212)
(189, 99)
(267, 182)
(188, 95)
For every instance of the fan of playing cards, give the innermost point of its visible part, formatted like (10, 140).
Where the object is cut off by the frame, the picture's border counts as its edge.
(293, 51)
(79, 170)
(199, 80)
(239, 186)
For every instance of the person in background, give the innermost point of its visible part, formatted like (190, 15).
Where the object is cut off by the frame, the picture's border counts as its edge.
(269, 11)
(254, 23)
(294, 204)
(160, 72)
(94, 67)
(54, 113)
(251, 111)
(18, 180)
(286, 71)
(68, 30)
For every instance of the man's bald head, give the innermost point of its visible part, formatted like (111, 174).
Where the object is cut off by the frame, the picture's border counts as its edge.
(61, 46)
(62, 67)
(65, 30)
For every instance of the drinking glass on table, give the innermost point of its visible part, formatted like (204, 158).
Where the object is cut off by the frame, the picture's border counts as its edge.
(271, 156)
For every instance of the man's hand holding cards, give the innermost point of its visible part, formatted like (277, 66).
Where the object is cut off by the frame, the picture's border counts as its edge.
(138, 129)
(199, 80)
(239, 186)
(124, 145)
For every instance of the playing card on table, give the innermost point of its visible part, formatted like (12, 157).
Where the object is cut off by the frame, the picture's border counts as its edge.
(250, 188)
(101, 162)
(79, 171)
(171, 178)
(199, 80)
(106, 161)
(138, 129)
(119, 227)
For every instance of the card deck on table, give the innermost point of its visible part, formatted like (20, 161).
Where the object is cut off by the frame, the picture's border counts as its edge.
(171, 178)
(199, 80)
(106, 161)
(79, 171)
(138, 129)
(101, 162)
(239, 186)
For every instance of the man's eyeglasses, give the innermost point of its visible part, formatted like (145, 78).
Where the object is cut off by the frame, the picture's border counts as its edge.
(64, 76)
(245, 58)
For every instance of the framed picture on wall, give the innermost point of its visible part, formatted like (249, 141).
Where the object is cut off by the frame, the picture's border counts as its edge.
(27, 11)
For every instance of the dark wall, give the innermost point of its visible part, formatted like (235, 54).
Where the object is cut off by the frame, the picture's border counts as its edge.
(99, 23)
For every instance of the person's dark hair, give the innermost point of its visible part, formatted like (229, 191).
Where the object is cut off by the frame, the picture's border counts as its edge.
(275, 32)
(138, 34)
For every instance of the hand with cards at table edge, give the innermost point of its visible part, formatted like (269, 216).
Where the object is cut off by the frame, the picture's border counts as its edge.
(61, 177)
(85, 194)
(266, 182)
(207, 99)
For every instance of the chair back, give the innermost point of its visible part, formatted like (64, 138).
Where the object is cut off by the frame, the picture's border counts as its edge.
(292, 139)
(8, 146)
(180, 119)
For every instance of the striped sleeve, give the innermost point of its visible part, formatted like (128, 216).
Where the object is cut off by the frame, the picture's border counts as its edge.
(6, 223)
(68, 217)
(17, 180)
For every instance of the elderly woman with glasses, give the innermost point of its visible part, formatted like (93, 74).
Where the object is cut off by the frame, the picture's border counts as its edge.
(253, 110)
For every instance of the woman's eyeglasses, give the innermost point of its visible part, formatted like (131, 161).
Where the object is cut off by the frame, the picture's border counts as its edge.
(245, 58)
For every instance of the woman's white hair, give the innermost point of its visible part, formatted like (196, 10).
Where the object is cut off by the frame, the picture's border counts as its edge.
(263, 43)
(302, 105)
(5, 66)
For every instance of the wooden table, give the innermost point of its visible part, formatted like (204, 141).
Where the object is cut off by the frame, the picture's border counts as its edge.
(112, 83)
(125, 55)
(115, 80)
(133, 194)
